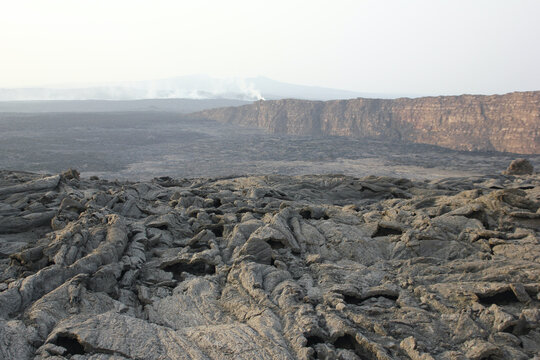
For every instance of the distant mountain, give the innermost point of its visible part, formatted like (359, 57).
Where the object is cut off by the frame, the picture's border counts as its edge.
(187, 87)
(275, 90)
(85, 106)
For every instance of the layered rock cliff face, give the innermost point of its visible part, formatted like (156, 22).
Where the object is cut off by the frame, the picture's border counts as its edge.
(269, 267)
(506, 123)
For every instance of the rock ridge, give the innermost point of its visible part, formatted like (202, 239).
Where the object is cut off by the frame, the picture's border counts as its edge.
(504, 123)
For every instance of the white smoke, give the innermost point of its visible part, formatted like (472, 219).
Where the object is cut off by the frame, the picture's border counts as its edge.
(189, 87)
(207, 88)
(249, 89)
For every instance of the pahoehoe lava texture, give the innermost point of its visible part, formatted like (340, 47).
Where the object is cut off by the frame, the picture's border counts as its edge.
(269, 267)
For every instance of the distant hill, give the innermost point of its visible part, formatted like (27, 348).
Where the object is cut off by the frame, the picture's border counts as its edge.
(506, 123)
(169, 105)
(274, 90)
(185, 87)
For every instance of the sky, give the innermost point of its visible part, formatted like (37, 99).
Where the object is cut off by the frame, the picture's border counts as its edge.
(428, 47)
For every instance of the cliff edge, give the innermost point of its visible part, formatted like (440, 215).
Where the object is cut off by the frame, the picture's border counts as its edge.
(505, 123)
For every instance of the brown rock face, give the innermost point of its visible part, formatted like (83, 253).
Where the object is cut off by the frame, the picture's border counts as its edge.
(506, 123)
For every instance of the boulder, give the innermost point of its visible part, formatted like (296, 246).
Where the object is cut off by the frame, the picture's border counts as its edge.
(519, 167)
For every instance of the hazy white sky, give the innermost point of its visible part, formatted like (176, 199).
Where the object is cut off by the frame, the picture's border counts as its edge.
(395, 46)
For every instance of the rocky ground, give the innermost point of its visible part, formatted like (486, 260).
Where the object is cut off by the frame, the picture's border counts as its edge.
(269, 267)
(136, 146)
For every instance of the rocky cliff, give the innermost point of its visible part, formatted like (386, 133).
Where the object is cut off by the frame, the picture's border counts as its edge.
(506, 123)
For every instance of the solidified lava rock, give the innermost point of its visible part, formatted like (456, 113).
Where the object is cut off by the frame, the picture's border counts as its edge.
(269, 267)
(520, 167)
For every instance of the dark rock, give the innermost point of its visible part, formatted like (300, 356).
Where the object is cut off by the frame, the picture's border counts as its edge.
(288, 268)
(71, 174)
(519, 167)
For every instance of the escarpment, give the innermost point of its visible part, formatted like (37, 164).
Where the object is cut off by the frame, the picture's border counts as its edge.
(269, 267)
(506, 123)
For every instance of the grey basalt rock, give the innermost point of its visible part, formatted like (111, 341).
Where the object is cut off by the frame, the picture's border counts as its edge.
(46, 183)
(269, 267)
